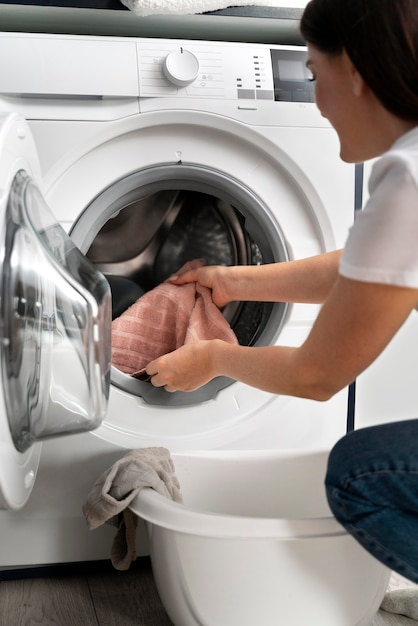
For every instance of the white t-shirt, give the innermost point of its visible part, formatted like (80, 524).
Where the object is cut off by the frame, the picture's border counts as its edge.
(382, 246)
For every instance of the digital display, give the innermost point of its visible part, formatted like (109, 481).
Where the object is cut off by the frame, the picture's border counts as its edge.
(291, 70)
(291, 76)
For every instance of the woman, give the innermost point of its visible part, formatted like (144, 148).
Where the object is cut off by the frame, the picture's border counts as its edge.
(363, 55)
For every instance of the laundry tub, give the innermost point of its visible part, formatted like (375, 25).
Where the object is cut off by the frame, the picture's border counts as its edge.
(255, 543)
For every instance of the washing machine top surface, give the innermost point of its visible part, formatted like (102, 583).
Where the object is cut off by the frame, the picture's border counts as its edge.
(243, 23)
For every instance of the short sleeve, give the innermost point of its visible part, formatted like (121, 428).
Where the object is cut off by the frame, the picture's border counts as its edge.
(382, 246)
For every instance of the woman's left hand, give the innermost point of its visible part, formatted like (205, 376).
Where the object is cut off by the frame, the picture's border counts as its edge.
(185, 369)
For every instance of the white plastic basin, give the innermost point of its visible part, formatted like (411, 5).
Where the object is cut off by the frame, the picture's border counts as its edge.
(256, 543)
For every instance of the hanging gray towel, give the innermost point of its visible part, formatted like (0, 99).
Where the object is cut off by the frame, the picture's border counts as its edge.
(114, 490)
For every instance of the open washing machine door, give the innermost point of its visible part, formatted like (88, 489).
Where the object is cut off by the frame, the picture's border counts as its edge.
(55, 321)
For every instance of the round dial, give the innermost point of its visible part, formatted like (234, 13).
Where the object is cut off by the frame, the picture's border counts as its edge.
(181, 67)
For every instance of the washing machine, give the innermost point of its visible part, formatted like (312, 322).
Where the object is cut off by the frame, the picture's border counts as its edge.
(149, 153)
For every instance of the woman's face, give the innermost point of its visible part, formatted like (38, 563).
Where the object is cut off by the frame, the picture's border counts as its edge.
(336, 93)
(364, 126)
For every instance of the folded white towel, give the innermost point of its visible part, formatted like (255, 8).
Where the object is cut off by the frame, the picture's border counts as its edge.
(184, 7)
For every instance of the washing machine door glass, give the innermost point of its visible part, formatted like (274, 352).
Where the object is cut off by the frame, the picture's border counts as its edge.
(56, 318)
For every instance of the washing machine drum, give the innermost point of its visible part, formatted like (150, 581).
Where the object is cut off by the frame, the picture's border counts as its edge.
(149, 239)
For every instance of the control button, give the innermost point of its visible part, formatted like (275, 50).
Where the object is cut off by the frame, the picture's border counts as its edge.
(181, 67)
(283, 96)
(248, 94)
(264, 94)
(300, 96)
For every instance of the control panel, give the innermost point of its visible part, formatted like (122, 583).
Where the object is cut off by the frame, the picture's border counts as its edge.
(103, 78)
(223, 71)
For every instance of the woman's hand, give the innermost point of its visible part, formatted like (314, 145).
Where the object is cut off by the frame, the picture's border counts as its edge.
(211, 276)
(185, 369)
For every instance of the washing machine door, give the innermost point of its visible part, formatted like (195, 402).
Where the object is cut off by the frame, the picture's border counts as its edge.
(55, 322)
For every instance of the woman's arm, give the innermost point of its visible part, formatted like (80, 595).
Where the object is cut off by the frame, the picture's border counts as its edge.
(305, 280)
(354, 325)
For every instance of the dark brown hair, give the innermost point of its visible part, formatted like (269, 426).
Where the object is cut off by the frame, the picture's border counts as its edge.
(381, 39)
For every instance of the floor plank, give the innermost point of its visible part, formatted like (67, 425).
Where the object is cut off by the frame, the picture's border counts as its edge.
(128, 598)
(62, 601)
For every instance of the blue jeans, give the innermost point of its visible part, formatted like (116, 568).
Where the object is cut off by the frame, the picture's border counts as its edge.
(372, 489)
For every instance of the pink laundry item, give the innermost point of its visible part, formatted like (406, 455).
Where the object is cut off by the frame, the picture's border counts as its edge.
(164, 319)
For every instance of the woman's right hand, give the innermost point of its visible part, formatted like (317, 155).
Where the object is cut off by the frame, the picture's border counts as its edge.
(211, 276)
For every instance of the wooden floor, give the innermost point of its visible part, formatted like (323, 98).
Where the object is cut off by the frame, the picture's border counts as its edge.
(99, 596)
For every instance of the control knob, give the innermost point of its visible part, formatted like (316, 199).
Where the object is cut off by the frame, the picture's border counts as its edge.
(181, 67)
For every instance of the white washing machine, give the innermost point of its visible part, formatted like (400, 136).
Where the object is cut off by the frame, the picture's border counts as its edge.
(153, 152)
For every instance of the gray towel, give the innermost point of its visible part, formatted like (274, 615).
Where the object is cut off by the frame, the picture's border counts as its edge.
(114, 490)
(402, 602)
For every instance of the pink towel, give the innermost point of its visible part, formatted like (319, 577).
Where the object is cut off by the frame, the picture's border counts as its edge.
(164, 319)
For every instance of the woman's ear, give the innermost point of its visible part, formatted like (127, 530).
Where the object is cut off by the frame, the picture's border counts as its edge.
(357, 80)
(359, 85)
